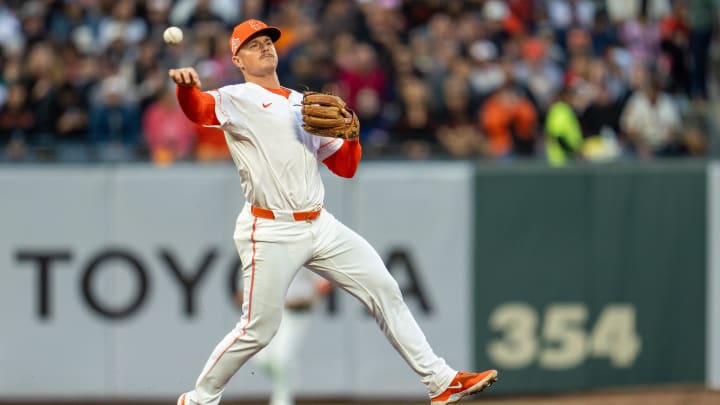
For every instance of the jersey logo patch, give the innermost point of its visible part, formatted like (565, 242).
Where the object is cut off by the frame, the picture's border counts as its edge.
(266, 105)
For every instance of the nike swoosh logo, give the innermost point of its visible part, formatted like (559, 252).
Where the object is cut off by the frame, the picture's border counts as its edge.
(458, 385)
(266, 105)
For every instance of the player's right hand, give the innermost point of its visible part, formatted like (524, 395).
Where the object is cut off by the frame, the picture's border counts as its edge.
(186, 76)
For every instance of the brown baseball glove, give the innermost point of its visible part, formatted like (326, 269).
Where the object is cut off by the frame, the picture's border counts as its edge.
(327, 115)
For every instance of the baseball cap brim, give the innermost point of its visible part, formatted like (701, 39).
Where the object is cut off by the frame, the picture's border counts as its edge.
(272, 32)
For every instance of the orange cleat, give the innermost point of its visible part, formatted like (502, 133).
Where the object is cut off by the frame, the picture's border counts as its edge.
(184, 400)
(465, 384)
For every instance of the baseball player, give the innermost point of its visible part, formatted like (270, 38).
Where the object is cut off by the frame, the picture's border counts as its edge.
(278, 358)
(283, 225)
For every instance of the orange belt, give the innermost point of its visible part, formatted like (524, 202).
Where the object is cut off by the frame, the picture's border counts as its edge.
(298, 216)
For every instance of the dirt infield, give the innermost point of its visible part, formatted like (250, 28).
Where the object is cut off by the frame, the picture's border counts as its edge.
(662, 396)
(667, 396)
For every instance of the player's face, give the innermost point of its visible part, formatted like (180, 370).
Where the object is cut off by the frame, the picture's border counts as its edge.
(257, 56)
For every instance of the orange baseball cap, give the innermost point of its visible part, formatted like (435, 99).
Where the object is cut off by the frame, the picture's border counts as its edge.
(243, 31)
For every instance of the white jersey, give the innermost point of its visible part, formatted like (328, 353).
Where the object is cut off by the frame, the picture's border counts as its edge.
(277, 160)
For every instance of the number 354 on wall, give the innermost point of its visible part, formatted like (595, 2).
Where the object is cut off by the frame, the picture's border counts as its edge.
(560, 338)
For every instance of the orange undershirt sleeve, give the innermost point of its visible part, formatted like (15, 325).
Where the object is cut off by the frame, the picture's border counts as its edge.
(199, 107)
(344, 162)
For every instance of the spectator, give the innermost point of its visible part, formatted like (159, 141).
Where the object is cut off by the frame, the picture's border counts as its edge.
(457, 104)
(182, 11)
(115, 121)
(582, 74)
(122, 24)
(309, 63)
(72, 121)
(16, 122)
(414, 130)
(148, 76)
(363, 80)
(563, 136)
(338, 17)
(579, 42)
(403, 62)
(602, 115)
(295, 25)
(486, 74)
(675, 37)
(620, 11)
(494, 15)
(457, 131)
(11, 37)
(567, 14)
(157, 17)
(469, 29)
(641, 37)
(70, 108)
(204, 20)
(168, 134)
(118, 54)
(11, 72)
(595, 99)
(526, 11)
(42, 74)
(68, 18)
(32, 16)
(509, 122)
(538, 73)
(651, 121)
(702, 15)
(603, 34)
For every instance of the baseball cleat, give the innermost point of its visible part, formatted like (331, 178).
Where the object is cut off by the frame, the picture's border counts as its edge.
(185, 400)
(465, 384)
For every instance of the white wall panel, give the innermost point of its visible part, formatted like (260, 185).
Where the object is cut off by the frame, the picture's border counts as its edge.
(154, 350)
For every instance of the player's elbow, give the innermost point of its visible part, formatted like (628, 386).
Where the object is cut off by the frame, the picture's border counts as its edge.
(345, 161)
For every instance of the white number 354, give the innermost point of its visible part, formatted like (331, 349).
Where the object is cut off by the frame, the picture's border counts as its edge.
(563, 341)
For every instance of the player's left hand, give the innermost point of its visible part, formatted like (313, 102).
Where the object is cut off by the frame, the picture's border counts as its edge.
(327, 115)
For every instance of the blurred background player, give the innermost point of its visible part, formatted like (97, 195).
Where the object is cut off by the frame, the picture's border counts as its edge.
(279, 358)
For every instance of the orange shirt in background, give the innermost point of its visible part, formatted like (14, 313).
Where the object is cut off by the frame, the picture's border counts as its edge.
(504, 114)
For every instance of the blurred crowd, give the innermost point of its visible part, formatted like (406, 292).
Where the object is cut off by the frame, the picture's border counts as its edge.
(558, 80)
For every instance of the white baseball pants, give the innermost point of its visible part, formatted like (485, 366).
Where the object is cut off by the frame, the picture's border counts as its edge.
(272, 251)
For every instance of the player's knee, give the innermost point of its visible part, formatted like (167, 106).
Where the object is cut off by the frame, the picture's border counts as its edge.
(264, 338)
(384, 292)
(264, 335)
(259, 332)
(388, 287)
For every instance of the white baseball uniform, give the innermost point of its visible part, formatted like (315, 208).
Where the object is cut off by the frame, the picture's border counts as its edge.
(278, 164)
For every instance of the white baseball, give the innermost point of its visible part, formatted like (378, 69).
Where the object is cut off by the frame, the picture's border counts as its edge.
(172, 35)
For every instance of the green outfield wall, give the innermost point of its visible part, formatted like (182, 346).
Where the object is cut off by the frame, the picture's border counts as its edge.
(591, 277)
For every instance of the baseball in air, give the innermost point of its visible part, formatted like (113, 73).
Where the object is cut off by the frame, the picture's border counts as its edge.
(172, 35)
